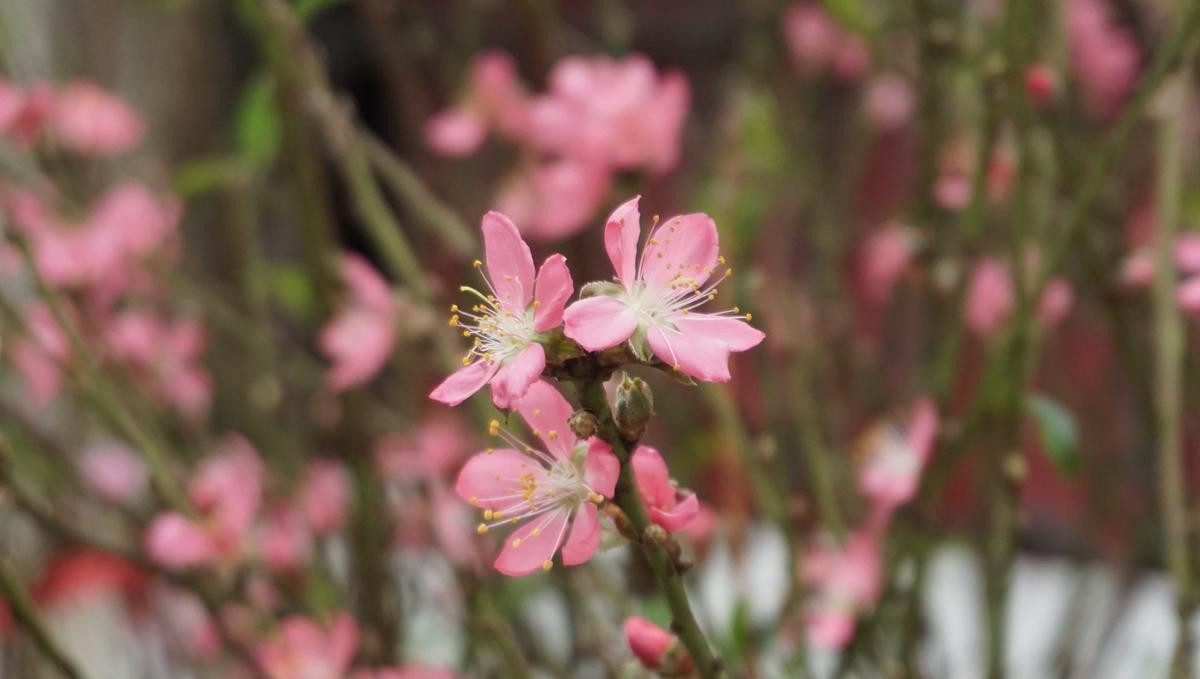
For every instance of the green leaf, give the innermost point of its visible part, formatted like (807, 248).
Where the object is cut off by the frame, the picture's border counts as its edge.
(292, 289)
(1060, 435)
(259, 127)
(307, 9)
(203, 175)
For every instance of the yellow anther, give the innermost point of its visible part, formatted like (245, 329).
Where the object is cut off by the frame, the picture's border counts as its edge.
(595, 498)
(552, 435)
(537, 412)
(466, 360)
(453, 308)
(721, 259)
(454, 321)
(547, 565)
(481, 528)
(466, 333)
(537, 532)
(474, 501)
(516, 543)
(477, 264)
(497, 515)
(487, 515)
(494, 428)
(749, 317)
(729, 271)
(537, 432)
(537, 303)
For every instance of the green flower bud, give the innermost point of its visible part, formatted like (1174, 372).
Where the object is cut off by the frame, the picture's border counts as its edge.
(635, 406)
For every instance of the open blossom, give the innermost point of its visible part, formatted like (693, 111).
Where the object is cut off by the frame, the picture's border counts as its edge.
(359, 339)
(615, 114)
(657, 297)
(509, 320)
(87, 119)
(305, 649)
(493, 100)
(114, 472)
(660, 495)
(225, 493)
(325, 496)
(648, 641)
(546, 491)
(894, 457)
(555, 198)
(846, 582)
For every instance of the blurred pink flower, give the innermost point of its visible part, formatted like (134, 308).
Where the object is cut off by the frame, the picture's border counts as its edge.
(894, 457)
(506, 325)
(167, 353)
(889, 101)
(1188, 295)
(657, 297)
(648, 641)
(409, 671)
(39, 355)
(225, 492)
(614, 114)
(989, 299)
(554, 199)
(113, 471)
(24, 111)
(87, 119)
(847, 581)
(325, 496)
(284, 540)
(1056, 301)
(305, 649)
(186, 621)
(494, 100)
(439, 444)
(659, 494)
(1041, 84)
(815, 43)
(1104, 56)
(359, 339)
(883, 259)
(542, 489)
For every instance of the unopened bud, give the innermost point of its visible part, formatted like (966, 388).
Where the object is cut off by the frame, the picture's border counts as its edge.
(655, 535)
(635, 406)
(582, 424)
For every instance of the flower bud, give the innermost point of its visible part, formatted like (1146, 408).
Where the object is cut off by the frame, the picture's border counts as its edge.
(648, 641)
(582, 424)
(635, 406)
(1041, 84)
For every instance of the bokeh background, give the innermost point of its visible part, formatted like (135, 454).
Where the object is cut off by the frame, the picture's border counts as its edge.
(233, 228)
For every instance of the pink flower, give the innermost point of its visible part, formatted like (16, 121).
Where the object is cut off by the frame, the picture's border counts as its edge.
(889, 102)
(648, 641)
(656, 300)
(556, 198)
(990, 298)
(325, 496)
(1041, 84)
(847, 581)
(816, 42)
(24, 111)
(894, 457)
(541, 490)
(883, 258)
(359, 339)
(40, 355)
(410, 671)
(114, 472)
(168, 354)
(225, 493)
(510, 320)
(304, 649)
(436, 450)
(1188, 295)
(494, 99)
(1104, 56)
(659, 494)
(614, 114)
(1056, 301)
(284, 540)
(87, 119)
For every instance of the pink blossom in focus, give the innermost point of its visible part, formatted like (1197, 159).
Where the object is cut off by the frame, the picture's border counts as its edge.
(325, 496)
(554, 199)
(225, 492)
(659, 493)
(1104, 56)
(658, 295)
(614, 114)
(894, 457)
(359, 339)
(990, 298)
(305, 649)
(846, 581)
(114, 472)
(889, 102)
(506, 326)
(87, 119)
(547, 491)
(648, 641)
(882, 260)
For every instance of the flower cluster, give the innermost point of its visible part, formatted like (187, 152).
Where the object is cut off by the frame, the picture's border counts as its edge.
(521, 323)
(597, 117)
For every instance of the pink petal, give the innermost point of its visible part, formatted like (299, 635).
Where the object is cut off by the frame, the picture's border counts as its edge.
(830, 628)
(648, 641)
(677, 516)
(989, 297)
(343, 640)
(621, 234)
(692, 353)
(684, 246)
(653, 479)
(548, 414)
(1188, 295)
(175, 542)
(1187, 252)
(601, 468)
(584, 538)
(489, 478)
(509, 263)
(923, 427)
(553, 289)
(524, 552)
(1056, 302)
(513, 379)
(464, 382)
(455, 132)
(598, 323)
(734, 332)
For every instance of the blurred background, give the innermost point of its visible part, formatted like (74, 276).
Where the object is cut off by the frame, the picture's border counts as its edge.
(232, 229)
